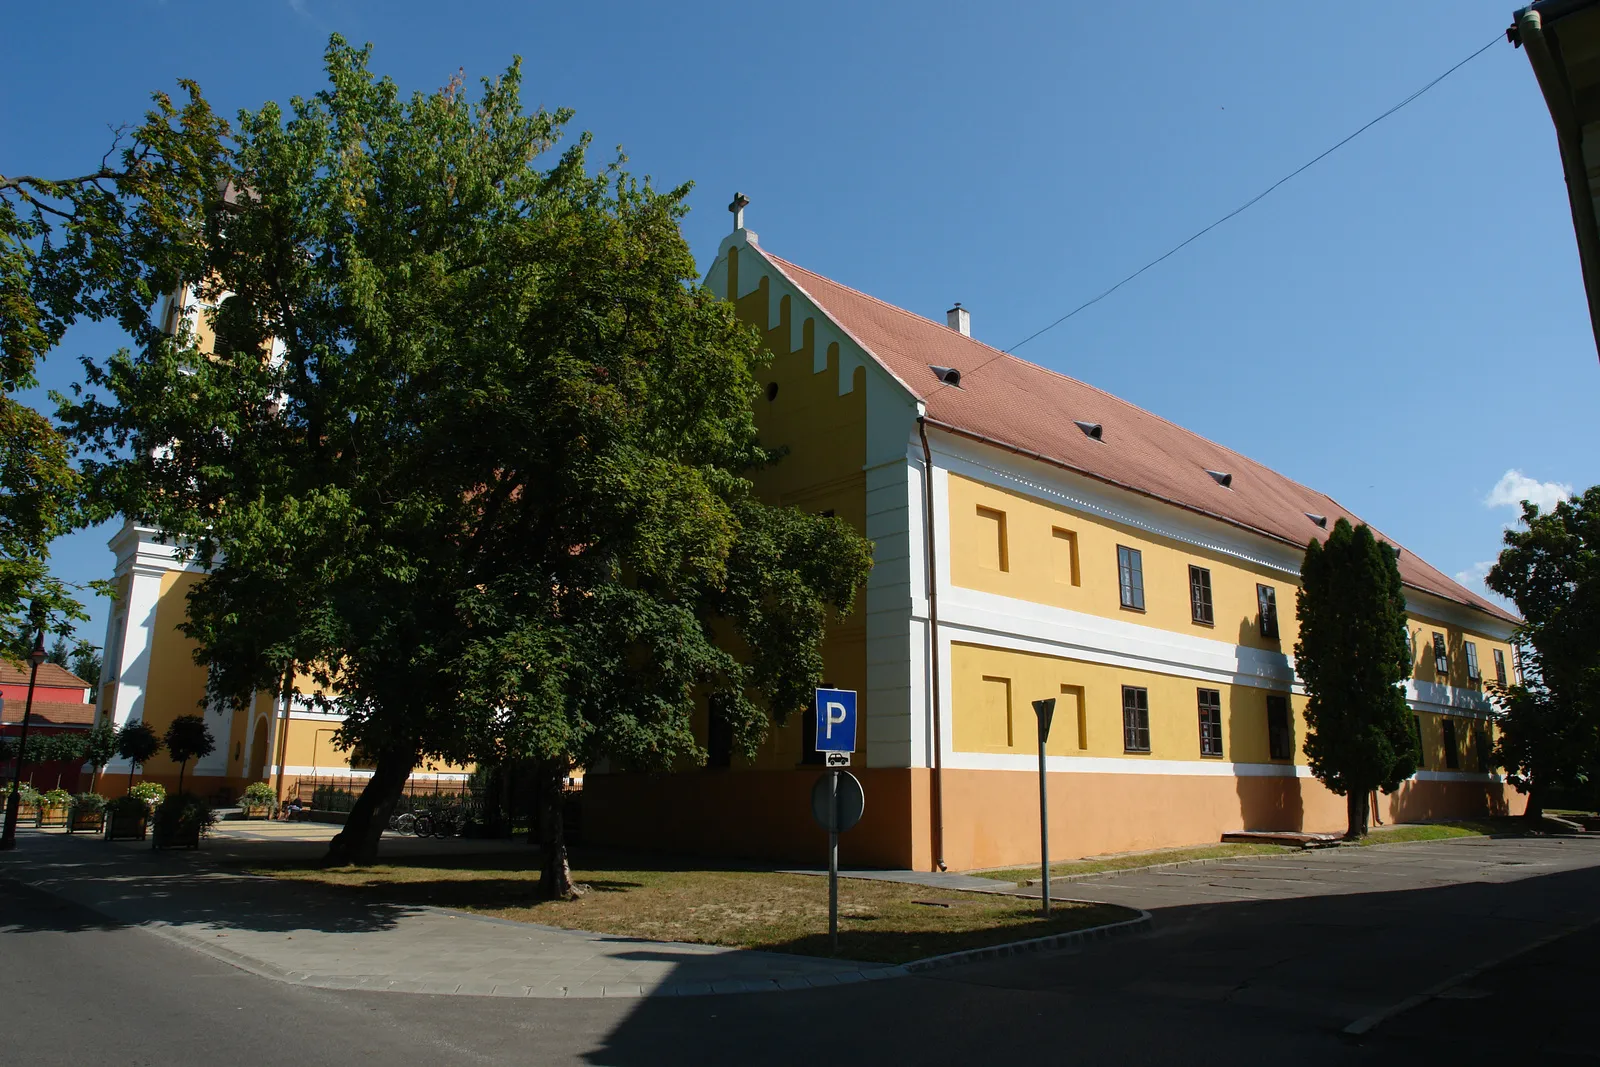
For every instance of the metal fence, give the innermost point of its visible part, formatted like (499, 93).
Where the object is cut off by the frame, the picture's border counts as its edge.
(338, 793)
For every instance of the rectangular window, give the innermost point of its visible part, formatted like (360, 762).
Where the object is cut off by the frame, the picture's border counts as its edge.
(1135, 719)
(1130, 577)
(1483, 748)
(1422, 753)
(1452, 753)
(992, 540)
(1267, 603)
(1280, 731)
(1441, 655)
(1210, 722)
(1200, 595)
(1064, 555)
(1472, 662)
(1500, 666)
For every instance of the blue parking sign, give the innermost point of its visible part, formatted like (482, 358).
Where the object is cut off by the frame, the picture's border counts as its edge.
(836, 720)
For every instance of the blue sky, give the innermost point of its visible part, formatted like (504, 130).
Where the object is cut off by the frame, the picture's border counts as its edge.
(1400, 327)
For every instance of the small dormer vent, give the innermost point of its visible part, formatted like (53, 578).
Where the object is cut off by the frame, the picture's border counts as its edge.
(1320, 520)
(1092, 430)
(1222, 478)
(947, 375)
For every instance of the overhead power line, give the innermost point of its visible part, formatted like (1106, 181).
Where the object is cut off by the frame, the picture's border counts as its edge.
(1175, 249)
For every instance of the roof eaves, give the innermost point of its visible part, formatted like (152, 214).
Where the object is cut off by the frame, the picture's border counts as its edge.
(1486, 607)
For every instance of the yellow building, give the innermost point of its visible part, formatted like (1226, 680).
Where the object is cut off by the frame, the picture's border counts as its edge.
(149, 672)
(1036, 537)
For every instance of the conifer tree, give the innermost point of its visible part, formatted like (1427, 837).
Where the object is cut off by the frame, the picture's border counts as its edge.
(1353, 658)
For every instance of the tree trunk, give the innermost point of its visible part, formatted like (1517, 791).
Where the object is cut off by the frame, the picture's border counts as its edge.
(1355, 805)
(181, 768)
(555, 875)
(357, 843)
(1535, 809)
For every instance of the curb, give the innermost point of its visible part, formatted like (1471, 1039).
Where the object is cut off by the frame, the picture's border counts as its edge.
(1049, 943)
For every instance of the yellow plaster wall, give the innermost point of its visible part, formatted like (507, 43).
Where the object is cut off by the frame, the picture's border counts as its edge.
(978, 673)
(176, 685)
(1422, 668)
(824, 435)
(1043, 540)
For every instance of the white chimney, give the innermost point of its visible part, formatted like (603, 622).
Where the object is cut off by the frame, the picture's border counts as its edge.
(959, 319)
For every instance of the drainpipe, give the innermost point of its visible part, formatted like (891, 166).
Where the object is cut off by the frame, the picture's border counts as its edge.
(937, 783)
(282, 731)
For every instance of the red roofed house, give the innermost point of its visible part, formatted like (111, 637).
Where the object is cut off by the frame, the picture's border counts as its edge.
(61, 704)
(1079, 548)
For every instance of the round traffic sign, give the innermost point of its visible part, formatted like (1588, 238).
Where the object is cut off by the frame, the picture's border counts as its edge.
(851, 803)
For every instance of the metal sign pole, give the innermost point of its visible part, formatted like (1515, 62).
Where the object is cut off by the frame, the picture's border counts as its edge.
(833, 861)
(1045, 710)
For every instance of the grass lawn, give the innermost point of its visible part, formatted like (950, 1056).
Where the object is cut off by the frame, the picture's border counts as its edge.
(881, 922)
(1132, 860)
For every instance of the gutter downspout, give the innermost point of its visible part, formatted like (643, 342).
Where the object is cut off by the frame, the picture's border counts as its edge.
(282, 731)
(937, 782)
(1569, 139)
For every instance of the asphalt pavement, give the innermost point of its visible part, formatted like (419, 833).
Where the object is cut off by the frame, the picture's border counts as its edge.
(1267, 979)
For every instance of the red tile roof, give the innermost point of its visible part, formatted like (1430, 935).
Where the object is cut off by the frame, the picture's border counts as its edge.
(1020, 405)
(50, 712)
(12, 673)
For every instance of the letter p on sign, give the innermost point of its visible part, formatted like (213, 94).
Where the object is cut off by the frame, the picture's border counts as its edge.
(836, 720)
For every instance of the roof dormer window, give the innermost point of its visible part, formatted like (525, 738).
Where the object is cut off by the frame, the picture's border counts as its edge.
(1222, 478)
(1320, 520)
(947, 375)
(1092, 430)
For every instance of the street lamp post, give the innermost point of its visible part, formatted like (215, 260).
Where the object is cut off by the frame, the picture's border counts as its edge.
(8, 838)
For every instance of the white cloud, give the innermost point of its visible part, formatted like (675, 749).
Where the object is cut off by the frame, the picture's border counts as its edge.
(1515, 487)
(1472, 578)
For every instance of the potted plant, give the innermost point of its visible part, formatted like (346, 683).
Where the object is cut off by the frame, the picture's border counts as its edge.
(88, 813)
(53, 810)
(181, 821)
(150, 793)
(259, 800)
(126, 819)
(188, 738)
(29, 802)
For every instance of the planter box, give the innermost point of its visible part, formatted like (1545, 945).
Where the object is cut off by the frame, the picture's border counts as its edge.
(53, 817)
(126, 827)
(188, 837)
(257, 811)
(27, 813)
(86, 822)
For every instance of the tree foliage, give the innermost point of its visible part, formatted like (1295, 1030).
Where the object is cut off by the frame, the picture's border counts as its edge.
(472, 448)
(90, 246)
(188, 737)
(1550, 717)
(1353, 657)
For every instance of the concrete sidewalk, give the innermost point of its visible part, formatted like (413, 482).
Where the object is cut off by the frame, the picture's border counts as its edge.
(314, 937)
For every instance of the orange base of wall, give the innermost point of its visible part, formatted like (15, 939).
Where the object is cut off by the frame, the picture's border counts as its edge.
(990, 817)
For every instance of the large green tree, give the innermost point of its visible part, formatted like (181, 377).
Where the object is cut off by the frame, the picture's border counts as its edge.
(88, 246)
(1550, 716)
(1353, 658)
(471, 447)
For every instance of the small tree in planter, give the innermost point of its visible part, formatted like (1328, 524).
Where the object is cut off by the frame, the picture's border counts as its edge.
(188, 738)
(126, 819)
(137, 742)
(99, 747)
(259, 796)
(88, 813)
(181, 821)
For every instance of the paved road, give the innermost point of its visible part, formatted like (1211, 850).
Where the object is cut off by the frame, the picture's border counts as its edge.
(1267, 980)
